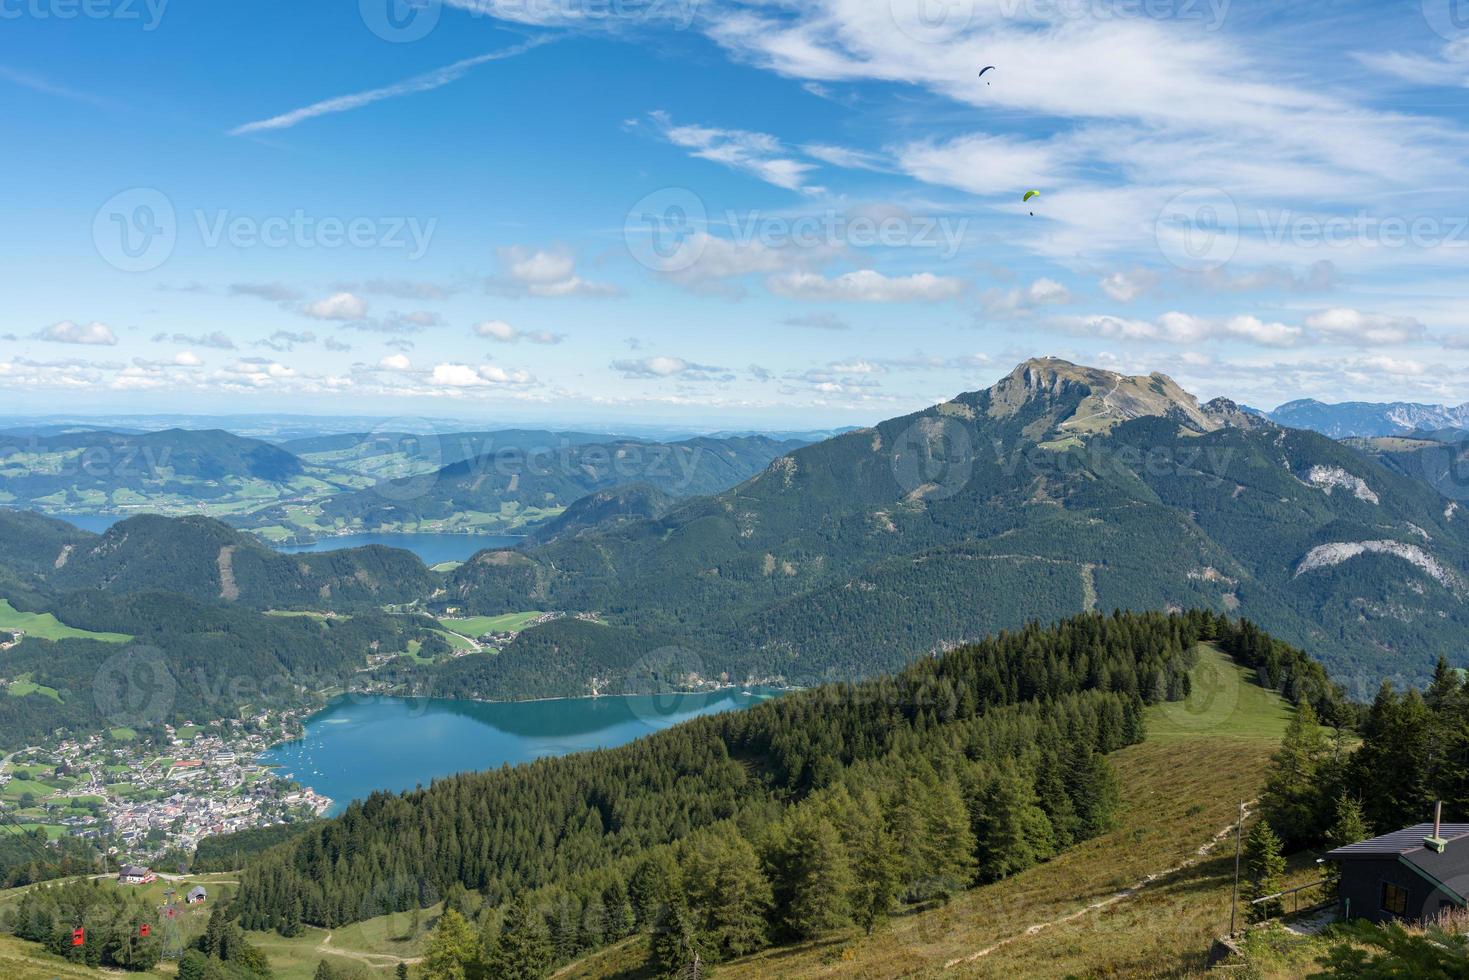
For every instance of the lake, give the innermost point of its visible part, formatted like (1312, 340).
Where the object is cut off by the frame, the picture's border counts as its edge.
(431, 548)
(358, 744)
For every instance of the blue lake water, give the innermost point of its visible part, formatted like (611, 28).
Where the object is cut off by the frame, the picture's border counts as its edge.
(431, 548)
(359, 744)
(96, 523)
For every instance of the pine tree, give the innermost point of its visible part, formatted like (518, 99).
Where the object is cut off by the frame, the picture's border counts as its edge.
(1012, 830)
(402, 971)
(654, 886)
(677, 950)
(729, 897)
(323, 971)
(1265, 871)
(453, 950)
(875, 870)
(522, 951)
(1347, 828)
(809, 873)
(1297, 790)
(618, 910)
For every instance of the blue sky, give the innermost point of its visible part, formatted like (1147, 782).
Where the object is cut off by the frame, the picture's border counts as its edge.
(766, 212)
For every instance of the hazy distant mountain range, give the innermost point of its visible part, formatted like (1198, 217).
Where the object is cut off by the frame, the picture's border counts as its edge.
(1369, 418)
(1059, 489)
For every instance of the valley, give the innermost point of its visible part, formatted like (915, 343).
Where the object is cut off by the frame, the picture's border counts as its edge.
(640, 616)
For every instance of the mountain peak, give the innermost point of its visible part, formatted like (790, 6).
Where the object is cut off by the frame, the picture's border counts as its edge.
(1085, 401)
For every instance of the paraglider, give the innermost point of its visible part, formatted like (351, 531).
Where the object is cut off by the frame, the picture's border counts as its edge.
(1028, 196)
(985, 69)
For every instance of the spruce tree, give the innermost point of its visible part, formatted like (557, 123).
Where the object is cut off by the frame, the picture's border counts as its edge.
(522, 951)
(1265, 871)
(1013, 831)
(453, 950)
(729, 897)
(1348, 828)
(875, 871)
(1297, 792)
(809, 873)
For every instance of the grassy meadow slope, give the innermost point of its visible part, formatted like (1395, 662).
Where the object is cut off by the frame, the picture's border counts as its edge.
(1180, 789)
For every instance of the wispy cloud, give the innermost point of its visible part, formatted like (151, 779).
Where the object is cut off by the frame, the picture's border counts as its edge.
(426, 82)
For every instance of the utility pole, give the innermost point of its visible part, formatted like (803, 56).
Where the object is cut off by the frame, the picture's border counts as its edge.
(1234, 902)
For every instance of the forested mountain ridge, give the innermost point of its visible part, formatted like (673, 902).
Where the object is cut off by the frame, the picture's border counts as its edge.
(103, 471)
(208, 561)
(821, 808)
(1059, 489)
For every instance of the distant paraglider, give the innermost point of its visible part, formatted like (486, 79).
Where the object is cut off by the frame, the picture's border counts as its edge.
(985, 69)
(1028, 196)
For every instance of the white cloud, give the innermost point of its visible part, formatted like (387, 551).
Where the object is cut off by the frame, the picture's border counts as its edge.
(395, 362)
(547, 273)
(1354, 326)
(1019, 302)
(93, 334)
(1124, 287)
(452, 375)
(668, 367)
(506, 334)
(338, 306)
(188, 358)
(1183, 328)
(758, 154)
(866, 286)
(427, 82)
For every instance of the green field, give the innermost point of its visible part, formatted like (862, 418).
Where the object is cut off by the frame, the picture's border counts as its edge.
(475, 626)
(47, 627)
(1159, 902)
(22, 686)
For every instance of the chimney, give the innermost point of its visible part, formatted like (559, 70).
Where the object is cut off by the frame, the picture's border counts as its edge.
(1436, 842)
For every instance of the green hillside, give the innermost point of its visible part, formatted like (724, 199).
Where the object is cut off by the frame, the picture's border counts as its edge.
(1060, 489)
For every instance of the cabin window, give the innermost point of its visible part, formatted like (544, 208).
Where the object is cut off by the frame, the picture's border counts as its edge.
(1394, 898)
